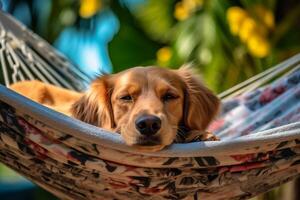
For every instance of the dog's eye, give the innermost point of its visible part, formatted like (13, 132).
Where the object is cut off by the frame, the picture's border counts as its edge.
(126, 98)
(169, 96)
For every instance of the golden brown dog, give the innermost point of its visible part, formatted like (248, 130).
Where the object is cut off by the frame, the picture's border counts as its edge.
(148, 106)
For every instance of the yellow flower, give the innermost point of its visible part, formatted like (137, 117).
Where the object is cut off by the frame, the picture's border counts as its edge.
(258, 46)
(248, 27)
(235, 16)
(164, 54)
(234, 28)
(89, 7)
(181, 12)
(192, 4)
(265, 15)
(269, 19)
(250, 32)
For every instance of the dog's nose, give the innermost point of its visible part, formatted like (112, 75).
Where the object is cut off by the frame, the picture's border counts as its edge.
(148, 124)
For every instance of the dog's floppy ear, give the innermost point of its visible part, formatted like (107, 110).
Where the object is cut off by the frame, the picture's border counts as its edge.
(94, 107)
(200, 104)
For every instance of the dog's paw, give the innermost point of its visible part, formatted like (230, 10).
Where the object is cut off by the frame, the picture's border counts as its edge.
(208, 136)
(194, 136)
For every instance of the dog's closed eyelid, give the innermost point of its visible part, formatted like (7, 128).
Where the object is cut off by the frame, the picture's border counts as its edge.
(126, 97)
(169, 96)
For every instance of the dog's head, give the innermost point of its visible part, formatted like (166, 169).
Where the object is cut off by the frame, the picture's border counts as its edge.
(148, 105)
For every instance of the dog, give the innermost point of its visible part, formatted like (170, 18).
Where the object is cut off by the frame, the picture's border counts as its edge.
(150, 107)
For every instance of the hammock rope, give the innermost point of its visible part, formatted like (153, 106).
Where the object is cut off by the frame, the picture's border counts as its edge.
(262, 78)
(25, 56)
(74, 160)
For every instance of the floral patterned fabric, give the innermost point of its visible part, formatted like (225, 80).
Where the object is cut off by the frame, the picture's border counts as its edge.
(267, 107)
(78, 168)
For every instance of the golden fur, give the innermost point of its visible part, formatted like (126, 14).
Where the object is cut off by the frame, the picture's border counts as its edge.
(115, 102)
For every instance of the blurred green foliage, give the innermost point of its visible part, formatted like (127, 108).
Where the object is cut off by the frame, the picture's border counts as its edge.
(202, 35)
(131, 46)
(228, 41)
(22, 188)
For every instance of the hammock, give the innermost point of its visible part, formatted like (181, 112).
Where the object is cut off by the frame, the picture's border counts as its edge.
(259, 127)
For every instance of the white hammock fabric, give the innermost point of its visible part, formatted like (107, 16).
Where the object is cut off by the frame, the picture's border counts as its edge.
(74, 160)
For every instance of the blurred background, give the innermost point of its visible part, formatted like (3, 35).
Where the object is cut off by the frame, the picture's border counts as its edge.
(228, 42)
